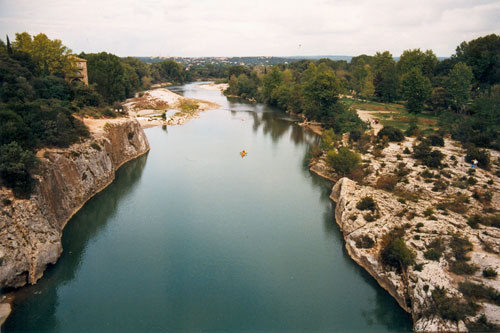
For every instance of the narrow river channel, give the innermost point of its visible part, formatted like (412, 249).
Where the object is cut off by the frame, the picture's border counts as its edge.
(194, 237)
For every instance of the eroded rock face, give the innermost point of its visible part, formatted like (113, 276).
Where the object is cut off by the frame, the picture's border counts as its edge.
(422, 226)
(30, 230)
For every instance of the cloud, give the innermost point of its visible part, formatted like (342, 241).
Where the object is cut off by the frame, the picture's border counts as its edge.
(260, 27)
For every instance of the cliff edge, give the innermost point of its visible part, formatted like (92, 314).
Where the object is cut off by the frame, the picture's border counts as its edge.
(31, 229)
(447, 288)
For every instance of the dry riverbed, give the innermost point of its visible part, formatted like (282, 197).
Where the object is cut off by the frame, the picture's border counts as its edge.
(148, 107)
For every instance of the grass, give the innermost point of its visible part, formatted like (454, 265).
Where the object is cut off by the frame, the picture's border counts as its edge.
(398, 117)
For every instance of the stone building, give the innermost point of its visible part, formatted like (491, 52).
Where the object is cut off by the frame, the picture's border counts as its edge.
(80, 73)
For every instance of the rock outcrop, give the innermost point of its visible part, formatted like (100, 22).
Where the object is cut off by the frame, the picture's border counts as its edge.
(31, 229)
(428, 212)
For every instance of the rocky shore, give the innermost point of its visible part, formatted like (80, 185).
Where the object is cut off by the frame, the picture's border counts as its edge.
(31, 229)
(150, 105)
(432, 209)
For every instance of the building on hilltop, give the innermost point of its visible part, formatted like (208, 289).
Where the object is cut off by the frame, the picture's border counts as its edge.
(80, 71)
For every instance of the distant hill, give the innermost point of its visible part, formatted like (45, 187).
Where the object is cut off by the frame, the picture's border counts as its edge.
(252, 61)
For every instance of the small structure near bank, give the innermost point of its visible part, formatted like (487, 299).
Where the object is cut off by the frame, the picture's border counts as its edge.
(80, 71)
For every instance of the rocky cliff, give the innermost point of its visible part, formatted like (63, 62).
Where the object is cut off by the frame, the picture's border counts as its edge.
(435, 218)
(31, 229)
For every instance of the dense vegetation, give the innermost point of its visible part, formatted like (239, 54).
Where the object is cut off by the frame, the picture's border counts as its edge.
(36, 106)
(463, 90)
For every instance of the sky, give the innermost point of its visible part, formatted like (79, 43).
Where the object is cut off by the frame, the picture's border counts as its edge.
(253, 28)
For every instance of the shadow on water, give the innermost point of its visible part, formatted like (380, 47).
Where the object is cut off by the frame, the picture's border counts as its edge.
(39, 302)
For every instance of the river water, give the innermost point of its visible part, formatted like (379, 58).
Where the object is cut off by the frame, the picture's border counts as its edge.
(192, 236)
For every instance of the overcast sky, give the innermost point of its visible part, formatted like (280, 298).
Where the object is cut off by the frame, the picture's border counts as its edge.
(258, 27)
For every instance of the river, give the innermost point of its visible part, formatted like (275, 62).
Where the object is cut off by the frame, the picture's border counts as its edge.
(192, 236)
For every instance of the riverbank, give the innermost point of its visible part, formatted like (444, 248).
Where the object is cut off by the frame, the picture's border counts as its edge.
(149, 106)
(31, 230)
(432, 207)
(214, 86)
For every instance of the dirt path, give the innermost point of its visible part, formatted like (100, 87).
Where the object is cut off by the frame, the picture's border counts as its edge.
(370, 116)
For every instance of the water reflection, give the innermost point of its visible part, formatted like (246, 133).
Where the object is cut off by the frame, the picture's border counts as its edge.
(40, 301)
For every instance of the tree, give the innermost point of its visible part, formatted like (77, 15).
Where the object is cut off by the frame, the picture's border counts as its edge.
(458, 85)
(49, 56)
(107, 73)
(396, 254)
(482, 55)
(425, 62)
(321, 92)
(270, 82)
(9, 47)
(439, 99)
(385, 79)
(169, 70)
(416, 89)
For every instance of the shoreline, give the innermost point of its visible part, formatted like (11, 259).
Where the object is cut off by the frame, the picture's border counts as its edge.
(414, 292)
(44, 193)
(148, 107)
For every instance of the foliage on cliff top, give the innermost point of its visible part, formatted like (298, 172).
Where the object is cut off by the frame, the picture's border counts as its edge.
(344, 161)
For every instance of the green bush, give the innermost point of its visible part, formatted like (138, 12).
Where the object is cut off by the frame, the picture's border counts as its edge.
(397, 255)
(463, 268)
(16, 166)
(450, 308)
(479, 292)
(392, 133)
(344, 161)
(490, 273)
(481, 155)
(367, 203)
(429, 157)
(460, 246)
(436, 140)
(482, 325)
(432, 254)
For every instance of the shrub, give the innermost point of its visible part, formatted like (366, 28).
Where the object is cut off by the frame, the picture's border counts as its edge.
(355, 134)
(435, 250)
(367, 203)
(392, 133)
(460, 246)
(490, 273)
(436, 140)
(397, 255)
(479, 292)
(450, 308)
(418, 267)
(369, 217)
(96, 146)
(439, 185)
(429, 157)
(428, 212)
(463, 268)
(344, 161)
(432, 254)
(329, 140)
(487, 220)
(406, 151)
(482, 325)
(387, 182)
(16, 168)
(364, 242)
(482, 196)
(481, 155)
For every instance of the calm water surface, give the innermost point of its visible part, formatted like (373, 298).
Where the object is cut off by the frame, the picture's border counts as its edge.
(194, 237)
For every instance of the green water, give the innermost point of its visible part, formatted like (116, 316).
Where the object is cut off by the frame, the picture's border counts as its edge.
(193, 237)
